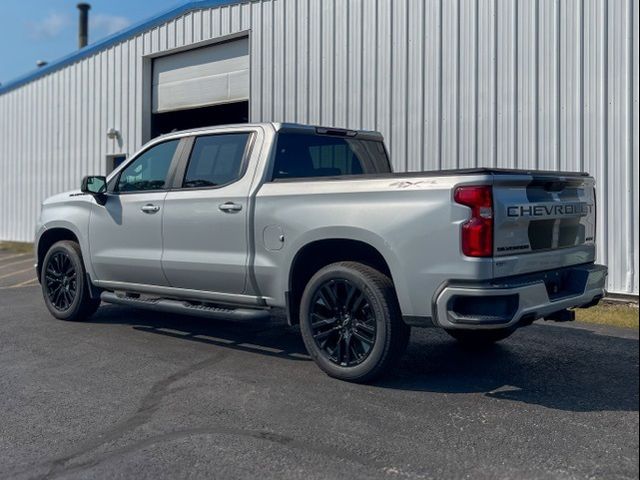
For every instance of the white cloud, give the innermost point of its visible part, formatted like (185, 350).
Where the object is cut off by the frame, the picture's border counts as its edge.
(49, 27)
(106, 24)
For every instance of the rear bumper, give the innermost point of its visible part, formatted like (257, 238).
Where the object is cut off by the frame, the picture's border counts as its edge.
(509, 301)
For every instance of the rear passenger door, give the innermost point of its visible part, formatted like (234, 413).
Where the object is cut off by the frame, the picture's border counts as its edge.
(205, 218)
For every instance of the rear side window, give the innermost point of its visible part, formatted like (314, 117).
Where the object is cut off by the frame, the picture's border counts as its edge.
(303, 155)
(216, 160)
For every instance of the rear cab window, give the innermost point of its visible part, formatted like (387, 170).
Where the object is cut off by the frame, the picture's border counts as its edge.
(300, 155)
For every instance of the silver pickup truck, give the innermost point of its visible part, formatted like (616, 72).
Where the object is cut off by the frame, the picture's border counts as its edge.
(246, 221)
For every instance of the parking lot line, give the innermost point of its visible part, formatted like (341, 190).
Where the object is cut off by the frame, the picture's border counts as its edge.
(9, 257)
(16, 263)
(10, 274)
(26, 283)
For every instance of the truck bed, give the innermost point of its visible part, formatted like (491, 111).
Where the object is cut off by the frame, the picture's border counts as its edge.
(443, 173)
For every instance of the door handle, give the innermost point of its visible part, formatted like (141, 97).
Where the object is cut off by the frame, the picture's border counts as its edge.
(230, 207)
(150, 208)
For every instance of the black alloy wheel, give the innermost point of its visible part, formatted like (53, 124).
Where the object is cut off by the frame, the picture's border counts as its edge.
(61, 281)
(351, 323)
(65, 284)
(343, 324)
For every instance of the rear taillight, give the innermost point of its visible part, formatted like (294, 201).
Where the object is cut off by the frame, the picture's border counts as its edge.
(477, 232)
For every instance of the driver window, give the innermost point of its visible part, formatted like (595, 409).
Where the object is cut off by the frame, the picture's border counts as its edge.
(149, 170)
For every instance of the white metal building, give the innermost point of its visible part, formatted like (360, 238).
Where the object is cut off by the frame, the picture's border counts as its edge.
(541, 84)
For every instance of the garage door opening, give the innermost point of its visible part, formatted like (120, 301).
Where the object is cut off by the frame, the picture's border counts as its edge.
(201, 87)
(237, 112)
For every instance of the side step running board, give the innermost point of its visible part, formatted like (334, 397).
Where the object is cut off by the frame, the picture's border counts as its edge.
(185, 308)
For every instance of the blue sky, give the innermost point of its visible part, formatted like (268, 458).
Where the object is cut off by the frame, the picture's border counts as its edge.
(32, 30)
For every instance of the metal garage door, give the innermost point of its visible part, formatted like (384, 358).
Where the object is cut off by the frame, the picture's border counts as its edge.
(205, 76)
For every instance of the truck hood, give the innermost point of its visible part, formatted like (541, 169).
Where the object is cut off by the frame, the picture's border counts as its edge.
(62, 197)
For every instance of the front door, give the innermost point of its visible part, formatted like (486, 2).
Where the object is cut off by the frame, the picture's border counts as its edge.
(205, 216)
(125, 234)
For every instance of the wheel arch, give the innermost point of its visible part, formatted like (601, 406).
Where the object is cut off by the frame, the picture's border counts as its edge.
(49, 237)
(315, 254)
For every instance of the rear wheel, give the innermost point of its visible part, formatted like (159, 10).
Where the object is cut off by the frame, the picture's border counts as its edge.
(351, 322)
(480, 338)
(64, 283)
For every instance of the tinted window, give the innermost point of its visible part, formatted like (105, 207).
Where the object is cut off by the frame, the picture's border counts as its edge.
(149, 170)
(300, 155)
(216, 160)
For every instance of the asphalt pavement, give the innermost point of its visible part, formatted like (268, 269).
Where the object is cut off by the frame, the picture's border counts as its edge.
(16, 270)
(134, 394)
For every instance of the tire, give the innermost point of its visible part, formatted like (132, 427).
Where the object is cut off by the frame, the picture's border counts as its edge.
(363, 335)
(64, 283)
(480, 338)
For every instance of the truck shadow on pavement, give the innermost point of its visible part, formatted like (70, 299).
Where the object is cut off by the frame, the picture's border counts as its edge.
(559, 368)
(271, 338)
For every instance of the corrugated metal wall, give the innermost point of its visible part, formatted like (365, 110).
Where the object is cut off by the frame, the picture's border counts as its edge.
(543, 84)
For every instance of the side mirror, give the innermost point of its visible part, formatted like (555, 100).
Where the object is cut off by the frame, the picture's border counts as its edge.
(95, 185)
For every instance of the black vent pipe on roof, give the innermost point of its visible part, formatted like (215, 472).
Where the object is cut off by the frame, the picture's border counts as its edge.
(83, 24)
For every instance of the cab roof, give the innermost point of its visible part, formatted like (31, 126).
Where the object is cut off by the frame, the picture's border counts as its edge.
(285, 127)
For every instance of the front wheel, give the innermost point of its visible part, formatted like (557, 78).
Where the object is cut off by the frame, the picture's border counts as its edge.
(351, 322)
(64, 283)
(480, 338)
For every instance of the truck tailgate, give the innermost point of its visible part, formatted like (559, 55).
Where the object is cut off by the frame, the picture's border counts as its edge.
(542, 221)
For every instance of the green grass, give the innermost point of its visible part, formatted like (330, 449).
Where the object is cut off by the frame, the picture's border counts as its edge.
(16, 247)
(613, 314)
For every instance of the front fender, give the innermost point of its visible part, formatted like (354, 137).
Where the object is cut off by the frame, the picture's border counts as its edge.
(72, 215)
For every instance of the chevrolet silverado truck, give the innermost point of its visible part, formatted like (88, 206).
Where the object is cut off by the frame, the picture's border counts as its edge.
(246, 221)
